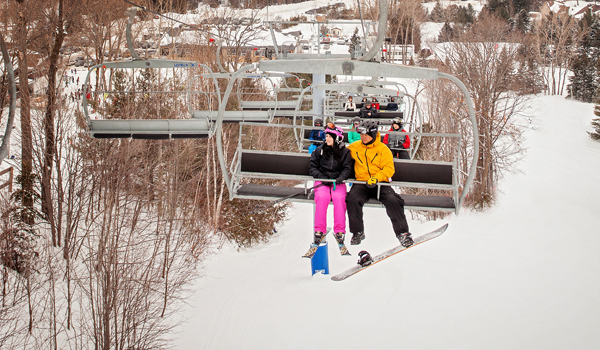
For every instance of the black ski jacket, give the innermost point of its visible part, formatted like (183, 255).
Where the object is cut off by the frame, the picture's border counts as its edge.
(364, 112)
(323, 164)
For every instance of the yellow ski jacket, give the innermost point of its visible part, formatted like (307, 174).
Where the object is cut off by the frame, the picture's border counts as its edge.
(374, 160)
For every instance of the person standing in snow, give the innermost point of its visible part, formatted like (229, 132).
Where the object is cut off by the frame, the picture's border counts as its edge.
(374, 163)
(332, 160)
(398, 144)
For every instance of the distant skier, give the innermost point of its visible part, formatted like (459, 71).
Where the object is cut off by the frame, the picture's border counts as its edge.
(374, 163)
(316, 135)
(331, 160)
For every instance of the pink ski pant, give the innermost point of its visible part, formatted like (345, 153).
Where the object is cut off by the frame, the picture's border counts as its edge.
(324, 195)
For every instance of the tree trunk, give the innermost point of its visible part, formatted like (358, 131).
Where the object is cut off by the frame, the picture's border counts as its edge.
(50, 148)
(26, 140)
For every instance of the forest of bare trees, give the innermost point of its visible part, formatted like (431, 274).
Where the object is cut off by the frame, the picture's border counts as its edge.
(100, 239)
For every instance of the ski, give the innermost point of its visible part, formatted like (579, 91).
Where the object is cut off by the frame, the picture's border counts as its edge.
(417, 240)
(342, 247)
(313, 247)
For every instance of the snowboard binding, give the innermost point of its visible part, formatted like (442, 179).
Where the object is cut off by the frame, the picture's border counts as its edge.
(364, 258)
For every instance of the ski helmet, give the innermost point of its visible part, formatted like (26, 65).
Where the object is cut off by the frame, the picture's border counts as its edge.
(335, 132)
(369, 127)
(318, 122)
(397, 121)
(356, 121)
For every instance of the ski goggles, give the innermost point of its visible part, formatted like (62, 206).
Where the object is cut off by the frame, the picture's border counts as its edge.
(364, 131)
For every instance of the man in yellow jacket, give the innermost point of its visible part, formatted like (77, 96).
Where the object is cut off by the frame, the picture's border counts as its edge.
(374, 163)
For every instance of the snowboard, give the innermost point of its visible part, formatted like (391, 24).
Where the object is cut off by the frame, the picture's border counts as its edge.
(313, 247)
(417, 240)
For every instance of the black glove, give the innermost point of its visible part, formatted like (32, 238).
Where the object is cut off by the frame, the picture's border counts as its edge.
(339, 181)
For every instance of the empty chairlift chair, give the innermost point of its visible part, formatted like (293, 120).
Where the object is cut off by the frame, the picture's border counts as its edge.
(105, 120)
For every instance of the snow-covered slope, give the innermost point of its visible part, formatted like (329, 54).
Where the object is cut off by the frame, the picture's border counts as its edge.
(523, 275)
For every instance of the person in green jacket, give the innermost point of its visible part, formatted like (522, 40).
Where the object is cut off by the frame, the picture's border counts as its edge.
(352, 134)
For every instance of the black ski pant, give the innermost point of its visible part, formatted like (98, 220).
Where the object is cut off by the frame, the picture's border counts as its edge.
(394, 206)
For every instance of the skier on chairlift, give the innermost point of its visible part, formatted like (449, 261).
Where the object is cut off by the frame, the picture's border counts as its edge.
(332, 161)
(316, 135)
(398, 144)
(368, 111)
(374, 163)
(353, 135)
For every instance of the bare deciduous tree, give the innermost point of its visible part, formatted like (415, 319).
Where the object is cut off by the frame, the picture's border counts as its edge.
(485, 58)
(555, 39)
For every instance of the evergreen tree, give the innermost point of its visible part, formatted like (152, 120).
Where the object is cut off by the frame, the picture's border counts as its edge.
(119, 100)
(465, 15)
(586, 65)
(437, 14)
(446, 34)
(354, 44)
(498, 8)
(522, 23)
(596, 121)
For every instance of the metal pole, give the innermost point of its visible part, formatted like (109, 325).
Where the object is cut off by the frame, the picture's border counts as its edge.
(475, 136)
(318, 95)
(131, 12)
(219, 124)
(383, 16)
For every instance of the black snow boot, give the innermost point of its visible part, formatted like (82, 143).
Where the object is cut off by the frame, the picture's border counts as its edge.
(357, 238)
(405, 239)
(364, 258)
(319, 237)
(339, 237)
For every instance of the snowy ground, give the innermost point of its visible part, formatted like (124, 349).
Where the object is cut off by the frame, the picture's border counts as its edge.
(523, 275)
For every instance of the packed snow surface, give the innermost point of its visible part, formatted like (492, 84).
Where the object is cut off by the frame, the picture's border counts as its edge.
(522, 275)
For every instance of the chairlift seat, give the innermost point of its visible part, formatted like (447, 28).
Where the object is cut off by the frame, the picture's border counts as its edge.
(235, 116)
(266, 105)
(380, 115)
(294, 166)
(150, 128)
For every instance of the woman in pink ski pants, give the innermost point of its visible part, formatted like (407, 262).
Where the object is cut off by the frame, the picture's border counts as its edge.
(332, 161)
